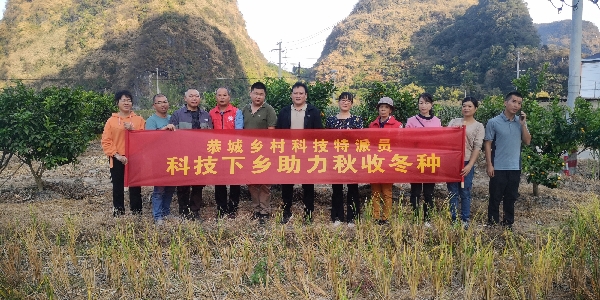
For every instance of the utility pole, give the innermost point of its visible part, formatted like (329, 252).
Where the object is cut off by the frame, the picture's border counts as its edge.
(157, 91)
(575, 69)
(280, 51)
(518, 61)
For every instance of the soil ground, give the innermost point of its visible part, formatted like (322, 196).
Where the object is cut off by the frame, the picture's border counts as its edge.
(85, 188)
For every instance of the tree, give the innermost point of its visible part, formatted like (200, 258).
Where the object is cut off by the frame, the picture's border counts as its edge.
(552, 133)
(279, 93)
(45, 129)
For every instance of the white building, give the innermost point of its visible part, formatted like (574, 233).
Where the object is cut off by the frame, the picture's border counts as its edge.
(590, 77)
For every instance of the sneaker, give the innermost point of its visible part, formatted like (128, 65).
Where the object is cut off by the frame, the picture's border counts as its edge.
(221, 215)
(337, 223)
(159, 222)
(287, 216)
(465, 225)
(232, 215)
(262, 218)
(351, 224)
(118, 212)
(195, 216)
(427, 225)
(383, 222)
(255, 216)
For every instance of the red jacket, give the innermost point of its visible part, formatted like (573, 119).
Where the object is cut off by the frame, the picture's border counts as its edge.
(225, 120)
(391, 123)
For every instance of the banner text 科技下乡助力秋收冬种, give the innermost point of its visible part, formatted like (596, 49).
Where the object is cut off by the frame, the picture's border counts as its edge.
(223, 157)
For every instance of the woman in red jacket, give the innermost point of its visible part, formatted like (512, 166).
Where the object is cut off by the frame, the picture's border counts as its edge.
(383, 191)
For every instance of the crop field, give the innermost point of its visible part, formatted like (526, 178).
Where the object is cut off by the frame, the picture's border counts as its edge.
(63, 243)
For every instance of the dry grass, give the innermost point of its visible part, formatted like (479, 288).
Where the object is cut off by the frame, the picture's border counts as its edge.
(74, 249)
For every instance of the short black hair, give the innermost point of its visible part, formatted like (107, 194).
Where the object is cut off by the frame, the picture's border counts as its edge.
(346, 95)
(471, 99)
(156, 96)
(300, 84)
(513, 93)
(258, 86)
(122, 93)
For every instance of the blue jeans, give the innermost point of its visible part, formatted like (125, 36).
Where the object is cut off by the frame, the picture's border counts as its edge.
(465, 196)
(161, 201)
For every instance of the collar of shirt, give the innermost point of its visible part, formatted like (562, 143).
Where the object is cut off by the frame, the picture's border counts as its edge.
(303, 108)
(505, 118)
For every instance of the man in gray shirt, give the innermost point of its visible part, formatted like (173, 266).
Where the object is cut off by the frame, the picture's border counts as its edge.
(503, 136)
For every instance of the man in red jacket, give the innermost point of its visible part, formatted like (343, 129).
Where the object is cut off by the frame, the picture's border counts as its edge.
(226, 116)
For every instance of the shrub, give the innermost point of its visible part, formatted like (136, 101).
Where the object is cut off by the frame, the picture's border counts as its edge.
(45, 129)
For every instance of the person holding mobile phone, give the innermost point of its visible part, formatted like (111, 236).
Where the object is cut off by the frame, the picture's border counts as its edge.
(503, 137)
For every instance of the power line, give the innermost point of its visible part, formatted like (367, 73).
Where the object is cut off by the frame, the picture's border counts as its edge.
(299, 41)
(307, 45)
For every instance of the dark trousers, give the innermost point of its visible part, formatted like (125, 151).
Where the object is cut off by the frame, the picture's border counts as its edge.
(224, 207)
(117, 175)
(504, 187)
(287, 192)
(337, 202)
(189, 202)
(415, 197)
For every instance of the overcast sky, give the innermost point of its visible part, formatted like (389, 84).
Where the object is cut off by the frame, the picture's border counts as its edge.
(303, 29)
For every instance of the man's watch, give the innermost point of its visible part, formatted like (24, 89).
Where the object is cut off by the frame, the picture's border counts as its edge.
(115, 155)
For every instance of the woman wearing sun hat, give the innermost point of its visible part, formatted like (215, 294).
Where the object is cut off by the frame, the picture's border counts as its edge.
(383, 191)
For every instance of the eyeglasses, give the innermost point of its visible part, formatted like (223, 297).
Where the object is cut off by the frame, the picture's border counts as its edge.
(161, 102)
(345, 100)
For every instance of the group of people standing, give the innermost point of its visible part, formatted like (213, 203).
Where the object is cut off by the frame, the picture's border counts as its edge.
(503, 136)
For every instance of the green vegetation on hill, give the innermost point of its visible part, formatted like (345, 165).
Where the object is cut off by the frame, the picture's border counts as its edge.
(374, 42)
(110, 45)
(447, 47)
(559, 34)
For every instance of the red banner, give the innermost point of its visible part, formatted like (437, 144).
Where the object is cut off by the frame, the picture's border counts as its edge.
(210, 157)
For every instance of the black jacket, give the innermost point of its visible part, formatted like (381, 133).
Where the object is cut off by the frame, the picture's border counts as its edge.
(312, 118)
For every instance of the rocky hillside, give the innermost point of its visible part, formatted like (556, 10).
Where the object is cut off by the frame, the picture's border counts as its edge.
(559, 34)
(469, 45)
(370, 42)
(108, 45)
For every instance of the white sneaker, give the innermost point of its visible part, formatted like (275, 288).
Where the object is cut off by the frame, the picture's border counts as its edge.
(337, 223)
(427, 224)
(159, 222)
(351, 225)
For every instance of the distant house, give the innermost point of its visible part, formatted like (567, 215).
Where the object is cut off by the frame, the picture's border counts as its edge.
(590, 77)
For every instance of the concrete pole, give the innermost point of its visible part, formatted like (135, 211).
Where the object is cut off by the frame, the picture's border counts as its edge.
(575, 68)
(157, 91)
(279, 50)
(518, 64)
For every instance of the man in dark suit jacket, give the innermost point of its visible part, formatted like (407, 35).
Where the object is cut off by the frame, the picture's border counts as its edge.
(299, 115)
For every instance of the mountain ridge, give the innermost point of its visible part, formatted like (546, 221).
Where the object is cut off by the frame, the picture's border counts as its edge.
(108, 45)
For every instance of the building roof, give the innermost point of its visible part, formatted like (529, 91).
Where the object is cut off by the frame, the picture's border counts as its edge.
(595, 57)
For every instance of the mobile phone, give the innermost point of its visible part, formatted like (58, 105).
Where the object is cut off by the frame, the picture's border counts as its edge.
(521, 116)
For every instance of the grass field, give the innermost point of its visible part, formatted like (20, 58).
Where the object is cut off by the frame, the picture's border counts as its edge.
(65, 244)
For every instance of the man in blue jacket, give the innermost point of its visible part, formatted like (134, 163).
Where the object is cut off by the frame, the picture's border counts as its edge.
(191, 116)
